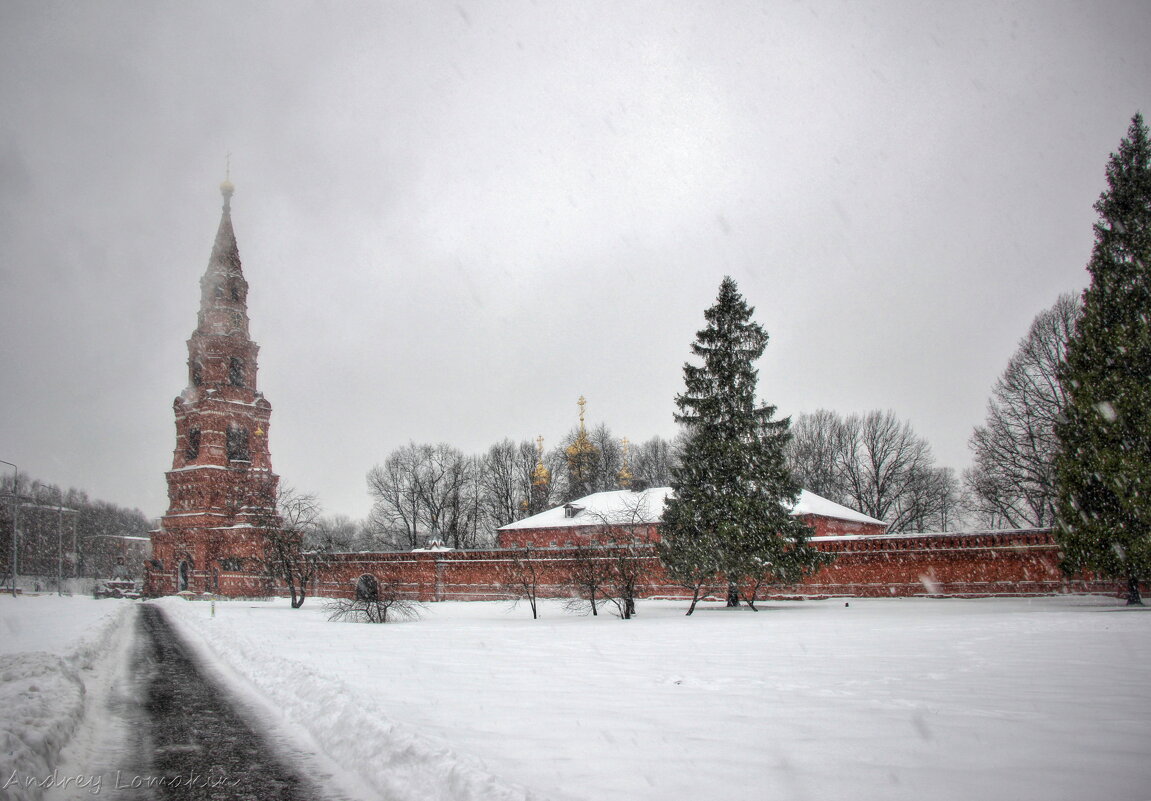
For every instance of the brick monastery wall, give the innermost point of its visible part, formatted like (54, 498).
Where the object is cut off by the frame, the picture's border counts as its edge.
(994, 563)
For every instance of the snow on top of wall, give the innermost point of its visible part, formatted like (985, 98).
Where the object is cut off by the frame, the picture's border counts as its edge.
(646, 506)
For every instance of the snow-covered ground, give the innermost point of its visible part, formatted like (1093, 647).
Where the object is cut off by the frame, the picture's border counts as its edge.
(883, 699)
(55, 652)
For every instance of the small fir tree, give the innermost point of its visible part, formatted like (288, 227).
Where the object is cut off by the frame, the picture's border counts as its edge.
(1103, 469)
(730, 516)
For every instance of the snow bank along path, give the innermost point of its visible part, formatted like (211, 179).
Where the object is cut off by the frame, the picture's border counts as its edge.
(1009, 699)
(357, 750)
(50, 649)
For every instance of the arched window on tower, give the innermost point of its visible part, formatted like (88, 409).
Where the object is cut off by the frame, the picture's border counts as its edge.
(236, 372)
(192, 448)
(197, 373)
(238, 444)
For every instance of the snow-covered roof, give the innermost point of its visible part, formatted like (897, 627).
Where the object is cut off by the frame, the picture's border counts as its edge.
(646, 506)
(811, 504)
(617, 506)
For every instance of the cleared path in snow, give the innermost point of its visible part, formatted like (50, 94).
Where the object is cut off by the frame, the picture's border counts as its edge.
(201, 747)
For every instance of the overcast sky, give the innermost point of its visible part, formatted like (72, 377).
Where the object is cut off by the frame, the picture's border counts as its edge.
(456, 218)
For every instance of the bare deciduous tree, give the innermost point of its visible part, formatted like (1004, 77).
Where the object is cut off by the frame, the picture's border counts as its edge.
(1013, 478)
(885, 466)
(338, 534)
(521, 579)
(873, 463)
(428, 492)
(814, 453)
(589, 576)
(286, 557)
(630, 568)
(651, 463)
(395, 488)
(505, 485)
(626, 551)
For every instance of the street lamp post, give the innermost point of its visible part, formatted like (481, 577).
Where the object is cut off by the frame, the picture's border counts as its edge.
(15, 517)
(60, 547)
(60, 510)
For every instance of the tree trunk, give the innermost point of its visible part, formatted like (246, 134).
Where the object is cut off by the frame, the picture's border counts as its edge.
(694, 599)
(1133, 596)
(732, 594)
(753, 594)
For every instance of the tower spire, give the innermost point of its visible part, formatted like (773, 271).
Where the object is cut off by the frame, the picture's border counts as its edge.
(221, 488)
(223, 290)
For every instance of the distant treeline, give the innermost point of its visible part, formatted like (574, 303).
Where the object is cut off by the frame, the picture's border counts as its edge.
(65, 532)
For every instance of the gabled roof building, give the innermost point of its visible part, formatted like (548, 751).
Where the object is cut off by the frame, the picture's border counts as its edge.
(584, 521)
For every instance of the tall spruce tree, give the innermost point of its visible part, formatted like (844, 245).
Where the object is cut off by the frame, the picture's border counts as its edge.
(1103, 469)
(729, 518)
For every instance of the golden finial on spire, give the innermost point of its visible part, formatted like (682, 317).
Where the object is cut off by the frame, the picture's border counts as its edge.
(227, 188)
(624, 475)
(581, 453)
(541, 475)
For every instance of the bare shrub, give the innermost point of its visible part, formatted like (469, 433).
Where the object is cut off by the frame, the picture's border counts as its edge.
(373, 602)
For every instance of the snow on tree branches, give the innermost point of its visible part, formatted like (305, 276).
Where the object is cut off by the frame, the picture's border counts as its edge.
(729, 520)
(1103, 470)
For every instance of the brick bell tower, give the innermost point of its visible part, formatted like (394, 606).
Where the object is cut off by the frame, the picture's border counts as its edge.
(221, 488)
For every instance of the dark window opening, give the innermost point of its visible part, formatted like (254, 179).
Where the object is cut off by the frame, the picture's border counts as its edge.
(192, 450)
(232, 564)
(235, 293)
(197, 374)
(236, 372)
(238, 444)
